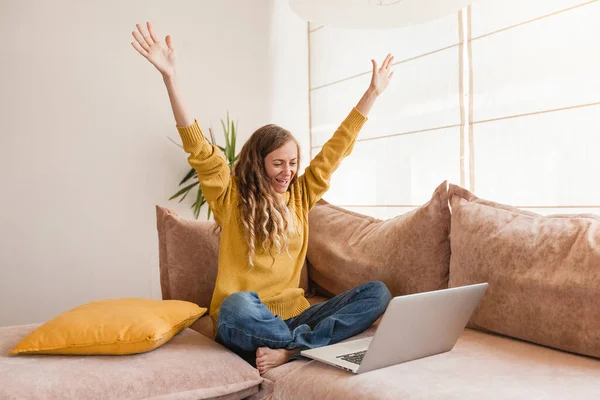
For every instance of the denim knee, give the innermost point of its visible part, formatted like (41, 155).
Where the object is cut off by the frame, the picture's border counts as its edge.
(245, 324)
(236, 307)
(380, 291)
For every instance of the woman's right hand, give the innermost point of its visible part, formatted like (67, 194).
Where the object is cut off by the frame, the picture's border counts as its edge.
(160, 55)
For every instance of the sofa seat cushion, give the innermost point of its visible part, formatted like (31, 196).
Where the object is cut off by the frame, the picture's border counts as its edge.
(481, 366)
(276, 374)
(204, 326)
(190, 366)
(272, 376)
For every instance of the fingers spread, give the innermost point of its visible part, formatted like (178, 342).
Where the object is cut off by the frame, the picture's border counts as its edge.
(169, 42)
(383, 63)
(140, 40)
(151, 30)
(145, 35)
(390, 61)
(139, 48)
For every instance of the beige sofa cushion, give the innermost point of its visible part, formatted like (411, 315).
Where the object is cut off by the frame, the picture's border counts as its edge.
(481, 366)
(543, 271)
(409, 253)
(190, 366)
(188, 256)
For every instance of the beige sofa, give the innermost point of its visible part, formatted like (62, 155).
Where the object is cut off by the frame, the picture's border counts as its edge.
(535, 335)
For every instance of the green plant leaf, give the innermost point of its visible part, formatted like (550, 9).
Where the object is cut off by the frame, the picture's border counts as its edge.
(209, 210)
(233, 140)
(232, 146)
(190, 174)
(184, 196)
(225, 133)
(185, 189)
(223, 149)
(199, 202)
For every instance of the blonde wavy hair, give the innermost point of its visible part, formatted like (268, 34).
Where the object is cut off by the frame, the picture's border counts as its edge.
(266, 218)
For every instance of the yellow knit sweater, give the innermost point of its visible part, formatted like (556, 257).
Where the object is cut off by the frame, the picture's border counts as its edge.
(275, 283)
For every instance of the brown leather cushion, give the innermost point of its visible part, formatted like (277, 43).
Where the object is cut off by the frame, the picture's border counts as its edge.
(409, 253)
(543, 271)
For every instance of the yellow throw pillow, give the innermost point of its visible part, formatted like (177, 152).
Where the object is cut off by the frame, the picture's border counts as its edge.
(114, 326)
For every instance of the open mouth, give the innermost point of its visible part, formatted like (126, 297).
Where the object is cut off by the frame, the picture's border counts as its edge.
(282, 182)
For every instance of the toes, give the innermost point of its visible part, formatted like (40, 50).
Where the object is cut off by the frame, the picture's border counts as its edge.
(260, 352)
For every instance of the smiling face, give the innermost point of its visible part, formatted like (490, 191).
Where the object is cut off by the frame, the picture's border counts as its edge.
(281, 166)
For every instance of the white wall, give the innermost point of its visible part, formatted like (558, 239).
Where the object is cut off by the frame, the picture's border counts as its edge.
(84, 120)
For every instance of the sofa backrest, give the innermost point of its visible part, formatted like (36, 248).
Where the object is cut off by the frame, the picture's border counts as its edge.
(188, 254)
(409, 253)
(543, 271)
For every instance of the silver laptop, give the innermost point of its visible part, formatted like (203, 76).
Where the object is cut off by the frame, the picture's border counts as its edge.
(413, 326)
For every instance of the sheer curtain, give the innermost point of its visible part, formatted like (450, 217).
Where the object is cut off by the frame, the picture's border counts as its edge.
(502, 98)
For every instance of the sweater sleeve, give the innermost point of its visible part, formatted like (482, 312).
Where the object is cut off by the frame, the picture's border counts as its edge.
(210, 164)
(316, 177)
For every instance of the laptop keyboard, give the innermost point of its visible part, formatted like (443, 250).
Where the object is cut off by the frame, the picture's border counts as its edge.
(355, 358)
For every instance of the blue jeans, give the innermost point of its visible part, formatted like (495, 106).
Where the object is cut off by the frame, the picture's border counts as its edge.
(245, 324)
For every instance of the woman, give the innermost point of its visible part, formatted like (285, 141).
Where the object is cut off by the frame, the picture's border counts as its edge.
(258, 309)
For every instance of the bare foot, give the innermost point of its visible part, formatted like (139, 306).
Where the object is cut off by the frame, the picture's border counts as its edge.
(267, 359)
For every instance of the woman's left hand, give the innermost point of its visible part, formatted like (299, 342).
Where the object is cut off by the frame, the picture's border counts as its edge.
(381, 77)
